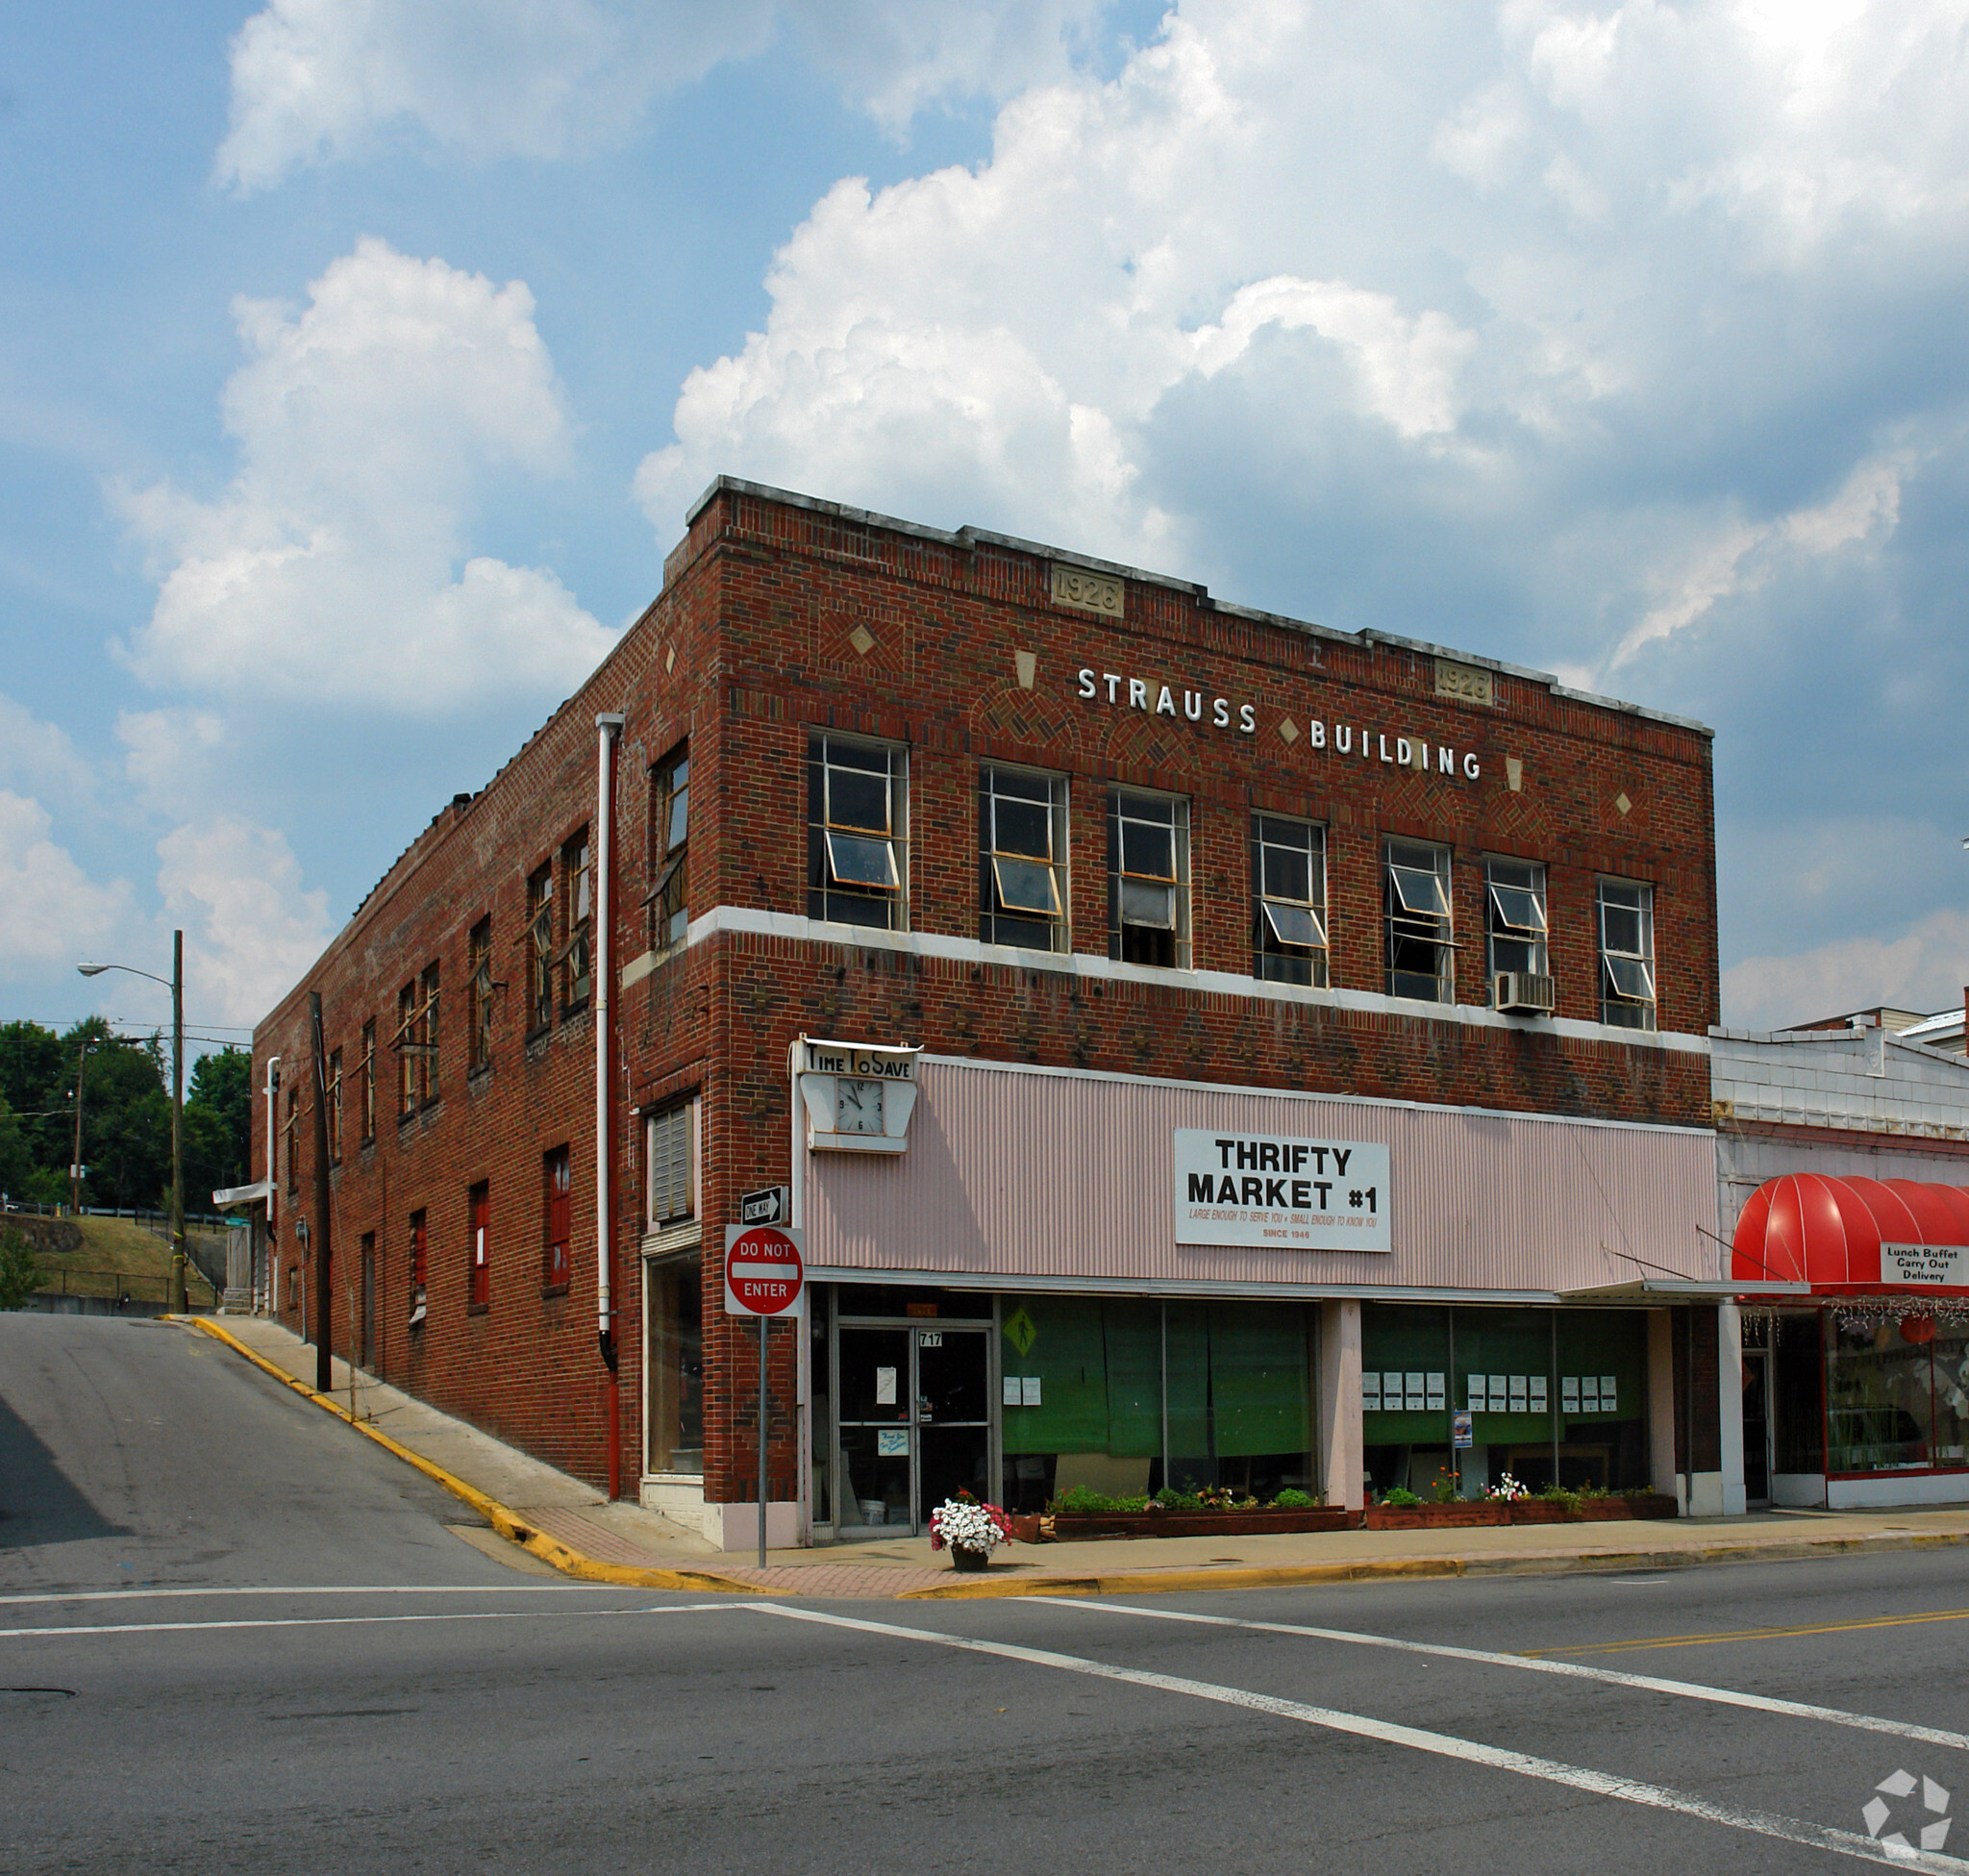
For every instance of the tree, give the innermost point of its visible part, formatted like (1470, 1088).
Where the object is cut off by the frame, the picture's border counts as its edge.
(37, 1082)
(126, 1116)
(218, 1126)
(16, 1155)
(20, 1276)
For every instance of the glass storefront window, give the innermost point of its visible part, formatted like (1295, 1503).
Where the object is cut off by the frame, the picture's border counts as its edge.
(1897, 1393)
(1553, 1396)
(675, 1364)
(1122, 1396)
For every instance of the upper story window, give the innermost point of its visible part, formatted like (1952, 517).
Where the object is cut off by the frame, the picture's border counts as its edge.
(671, 1156)
(556, 1219)
(1288, 895)
(576, 924)
(1421, 941)
(335, 1107)
(368, 1081)
(858, 865)
(409, 1038)
(1626, 954)
(1148, 879)
(539, 950)
(669, 897)
(480, 989)
(426, 1055)
(1022, 859)
(1514, 923)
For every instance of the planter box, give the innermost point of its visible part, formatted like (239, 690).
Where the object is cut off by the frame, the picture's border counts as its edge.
(1513, 1510)
(1070, 1526)
(1023, 1527)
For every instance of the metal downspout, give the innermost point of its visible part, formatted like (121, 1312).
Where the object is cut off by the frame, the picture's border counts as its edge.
(608, 727)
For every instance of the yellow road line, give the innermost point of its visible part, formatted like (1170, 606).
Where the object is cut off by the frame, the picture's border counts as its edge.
(1747, 1634)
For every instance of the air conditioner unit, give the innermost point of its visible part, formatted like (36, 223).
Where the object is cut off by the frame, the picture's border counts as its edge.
(1522, 990)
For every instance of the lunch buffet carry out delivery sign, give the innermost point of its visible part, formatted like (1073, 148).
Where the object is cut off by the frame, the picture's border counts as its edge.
(1279, 1193)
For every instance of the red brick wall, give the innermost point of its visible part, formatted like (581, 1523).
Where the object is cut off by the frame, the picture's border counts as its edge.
(749, 645)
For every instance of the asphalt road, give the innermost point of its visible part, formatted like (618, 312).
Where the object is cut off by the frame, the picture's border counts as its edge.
(470, 1717)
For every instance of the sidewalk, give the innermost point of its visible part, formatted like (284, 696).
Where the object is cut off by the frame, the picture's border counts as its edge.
(572, 1527)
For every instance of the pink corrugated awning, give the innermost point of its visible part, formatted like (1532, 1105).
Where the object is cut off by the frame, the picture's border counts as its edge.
(1808, 1227)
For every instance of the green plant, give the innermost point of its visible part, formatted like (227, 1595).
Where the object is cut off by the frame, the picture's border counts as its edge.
(1402, 1496)
(1082, 1501)
(1293, 1500)
(1559, 1495)
(1443, 1486)
(20, 1276)
(1172, 1500)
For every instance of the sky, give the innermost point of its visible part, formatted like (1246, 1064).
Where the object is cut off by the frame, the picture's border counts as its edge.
(359, 359)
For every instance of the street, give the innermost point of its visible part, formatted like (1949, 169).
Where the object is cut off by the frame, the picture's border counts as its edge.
(236, 1637)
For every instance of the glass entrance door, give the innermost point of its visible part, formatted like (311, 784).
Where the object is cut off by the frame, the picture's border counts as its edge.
(877, 1394)
(953, 1417)
(1756, 1426)
(913, 1425)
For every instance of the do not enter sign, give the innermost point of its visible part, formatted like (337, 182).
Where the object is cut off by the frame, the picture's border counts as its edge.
(763, 1271)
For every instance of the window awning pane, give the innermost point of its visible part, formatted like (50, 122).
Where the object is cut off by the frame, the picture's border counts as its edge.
(1420, 893)
(1287, 873)
(1631, 978)
(1148, 852)
(1519, 908)
(856, 862)
(1293, 924)
(857, 800)
(1026, 886)
(1024, 828)
(1146, 904)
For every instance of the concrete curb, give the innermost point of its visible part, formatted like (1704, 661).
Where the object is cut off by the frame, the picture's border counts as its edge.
(570, 1562)
(507, 1522)
(1173, 1582)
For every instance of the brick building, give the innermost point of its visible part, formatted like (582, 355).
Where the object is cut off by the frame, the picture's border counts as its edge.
(1202, 1048)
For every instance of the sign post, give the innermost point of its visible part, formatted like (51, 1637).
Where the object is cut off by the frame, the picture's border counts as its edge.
(763, 1277)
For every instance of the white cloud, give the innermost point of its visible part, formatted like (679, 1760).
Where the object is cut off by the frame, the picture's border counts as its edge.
(51, 911)
(168, 757)
(1495, 265)
(250, 928)
(1741, 555)
(367, 423)
(319, 80)
(38, 756)
(1925, 967)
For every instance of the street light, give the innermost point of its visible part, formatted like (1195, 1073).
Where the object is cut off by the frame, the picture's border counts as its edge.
(176, 986)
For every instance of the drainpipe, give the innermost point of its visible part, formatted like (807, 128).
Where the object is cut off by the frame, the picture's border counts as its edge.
(273, 1177)
(608, 727)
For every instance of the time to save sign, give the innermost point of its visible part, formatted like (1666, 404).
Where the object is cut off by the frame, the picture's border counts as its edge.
(1279, 1193)
(763, 1274)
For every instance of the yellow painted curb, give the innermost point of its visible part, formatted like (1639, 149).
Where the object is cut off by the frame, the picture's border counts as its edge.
(507, 1522)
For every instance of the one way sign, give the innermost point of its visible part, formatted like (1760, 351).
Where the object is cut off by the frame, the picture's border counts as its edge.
(768, 1205)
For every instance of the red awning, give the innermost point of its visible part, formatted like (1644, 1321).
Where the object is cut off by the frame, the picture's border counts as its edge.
(1829, 1232)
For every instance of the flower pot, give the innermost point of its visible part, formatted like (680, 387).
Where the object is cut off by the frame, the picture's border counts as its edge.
(962, 1558)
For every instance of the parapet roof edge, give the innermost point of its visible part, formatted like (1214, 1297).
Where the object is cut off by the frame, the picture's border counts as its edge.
(1366, 637)
(1809, 1038)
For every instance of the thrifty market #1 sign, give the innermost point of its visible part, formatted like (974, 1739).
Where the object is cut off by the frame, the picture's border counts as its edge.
(1280, 1194)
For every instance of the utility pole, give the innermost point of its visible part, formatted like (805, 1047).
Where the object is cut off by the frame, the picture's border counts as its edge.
(323, 1328)
(177, 1123)
(75, 1164)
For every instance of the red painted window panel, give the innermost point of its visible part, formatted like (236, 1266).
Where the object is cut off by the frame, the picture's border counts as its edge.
(478, 1294)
